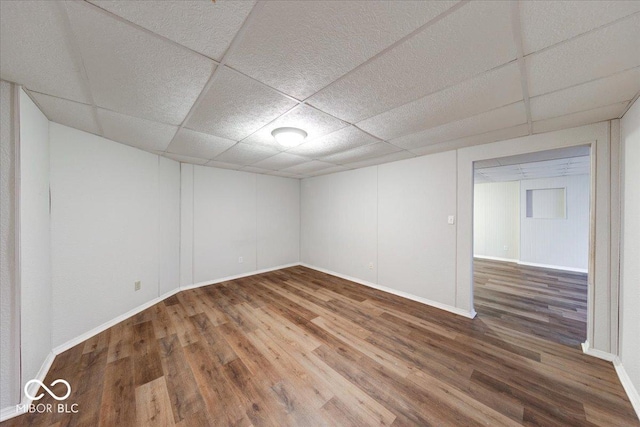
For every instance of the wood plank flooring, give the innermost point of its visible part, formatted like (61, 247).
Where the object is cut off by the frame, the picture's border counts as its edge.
(297, 347)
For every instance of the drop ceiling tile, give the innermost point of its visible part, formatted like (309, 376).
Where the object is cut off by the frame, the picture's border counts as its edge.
(139, 133)
(400, 155)
(134, 72)
(595, 55)
(308, 168)
(203, 26)
(598, 93)
(483, 93)
(280, 161)
(314, 122)
(244, 154)
(364, 152)
(36, 51)
(545, 23)
(473, 39)
(185, 159)
(236, 106)
(340, 140)
(68, 113)
(503, 117)
(582, 118)
(195, 144)
(288, 39)
(286, 174)
(253, 169)
(327, 171)
(222, 165)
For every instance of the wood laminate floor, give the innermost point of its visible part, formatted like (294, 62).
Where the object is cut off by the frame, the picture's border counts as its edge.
(298, 347)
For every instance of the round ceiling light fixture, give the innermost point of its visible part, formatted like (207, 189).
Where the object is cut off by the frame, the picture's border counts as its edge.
(289, 137)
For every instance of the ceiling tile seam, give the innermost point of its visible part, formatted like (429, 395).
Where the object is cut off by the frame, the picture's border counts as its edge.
(593, 30)
(633, 100)
(516, 27)
(236, 39)
(145, 30)
(585, 111)
(279, 92)
(397, 43)
(76, 53)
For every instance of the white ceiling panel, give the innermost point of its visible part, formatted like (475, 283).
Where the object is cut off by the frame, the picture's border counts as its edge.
(236, 106)
(534, 170)
(581, 118)
(243, 154)
(340, 140)
(364, 152)
(309, 167)
(286, 174)
(400, 155)
(195, 144)
(314, 122)
(475, 38)
(139, 133)
(280, 161)
(327, 171)
(503, 117)
(595, 55)
(598, 93)
(291, 38)
(545, 23)
(34, 42)
(134, 72)
(203, 26)
(185, 159)
(68, 113)
(483, 93)
(254, 169)
(222, 165)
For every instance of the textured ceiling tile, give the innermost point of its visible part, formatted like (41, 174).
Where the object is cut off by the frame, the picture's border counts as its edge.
(134, 72)
(598, 54)
(203, 26)
(140, 133)
(195, 144)
(68, 113)
(222, 165)
(499, 118)
(545, 23)
(254, 169)
(314, 122)
(485, 138)
(291, 38)
(236, 106)
(309, 167)
(582, 118)
(393, 157)
(598, 93)
(483, 93)
(475, 38)
(280, 161)
(35, 49)
(286, 174)
(185, 159)
(361, 153)
(340, 140)
(243, 154)
(327, 171)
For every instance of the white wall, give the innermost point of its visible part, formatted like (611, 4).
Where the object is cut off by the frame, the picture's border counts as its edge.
(630, 272)
(109, 204)
(227, 215)
(9, 321)
(496, 220)
(561, 242)
(35, 248)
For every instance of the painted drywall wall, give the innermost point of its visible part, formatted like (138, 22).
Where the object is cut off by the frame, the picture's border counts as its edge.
(558, 242)
(169, 225)
(9, 321)
(496, 220)
(630, 271)
(109, 205)
(235, 223)
(340, 222)
(35, 248)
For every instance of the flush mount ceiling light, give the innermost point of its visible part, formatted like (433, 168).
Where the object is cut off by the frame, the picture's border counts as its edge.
(289, 137)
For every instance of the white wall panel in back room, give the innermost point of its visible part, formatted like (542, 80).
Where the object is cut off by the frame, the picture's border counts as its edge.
(496, 220)
(169, 225)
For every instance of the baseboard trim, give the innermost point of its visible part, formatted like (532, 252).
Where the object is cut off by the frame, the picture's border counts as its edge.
(587, 349)
(12, 411)
(628, 385)
(237, 276)
(435, 304)
(553, 267)
(496, 258)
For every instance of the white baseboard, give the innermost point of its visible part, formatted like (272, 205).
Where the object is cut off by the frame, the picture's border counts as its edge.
(628, 386)
(554, 267)
(237, 276)
(587, 349)
(12, 411)
(439, 305)
(495, 258)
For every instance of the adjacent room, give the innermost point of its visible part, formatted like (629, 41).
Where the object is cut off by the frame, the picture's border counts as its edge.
(319, 213)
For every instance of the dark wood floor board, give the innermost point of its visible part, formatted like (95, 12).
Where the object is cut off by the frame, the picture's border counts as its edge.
(297, 347)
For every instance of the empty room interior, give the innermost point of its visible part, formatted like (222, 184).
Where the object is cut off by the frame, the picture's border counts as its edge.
(320, 213)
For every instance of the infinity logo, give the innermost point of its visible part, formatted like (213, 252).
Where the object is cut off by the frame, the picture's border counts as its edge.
(52, 394)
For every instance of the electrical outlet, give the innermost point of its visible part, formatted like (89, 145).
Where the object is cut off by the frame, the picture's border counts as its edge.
(506, 248)
(451, 220)
(137, 285)
(370, 266)
(240, 260)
